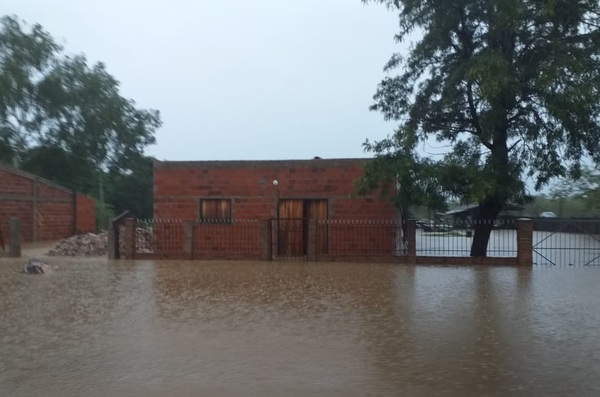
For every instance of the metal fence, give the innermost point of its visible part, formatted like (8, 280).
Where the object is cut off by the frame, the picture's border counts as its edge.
(227, 239)
(367, 238)
(159, 236)
(166, 238)
(454, 238)
(555, 242)
(323, 239)
(566, 242)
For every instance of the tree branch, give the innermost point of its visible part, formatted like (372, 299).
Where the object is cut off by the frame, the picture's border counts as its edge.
(514, 145)
(475, 117)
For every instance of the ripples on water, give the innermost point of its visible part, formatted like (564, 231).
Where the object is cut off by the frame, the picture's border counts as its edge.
(144, 328)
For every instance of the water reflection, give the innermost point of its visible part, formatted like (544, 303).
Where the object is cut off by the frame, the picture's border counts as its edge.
(187, 328)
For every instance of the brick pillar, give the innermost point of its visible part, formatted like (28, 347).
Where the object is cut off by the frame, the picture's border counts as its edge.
(188, 239)
(411, 240)
(311, 248)
(265, 241)
(524, 242)
(130, 238)
(14, 238)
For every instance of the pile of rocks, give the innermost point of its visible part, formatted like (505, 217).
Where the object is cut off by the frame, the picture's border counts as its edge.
(144, 240)
(89, 244)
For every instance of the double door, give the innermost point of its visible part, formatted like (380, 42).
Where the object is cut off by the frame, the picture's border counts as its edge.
(293, 216)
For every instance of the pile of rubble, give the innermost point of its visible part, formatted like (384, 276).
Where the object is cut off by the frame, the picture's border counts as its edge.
(91, 244)
(88, 244)
(144, 240)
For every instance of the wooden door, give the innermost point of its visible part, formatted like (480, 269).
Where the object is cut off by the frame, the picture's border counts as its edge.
(290, 228)
(317, 209)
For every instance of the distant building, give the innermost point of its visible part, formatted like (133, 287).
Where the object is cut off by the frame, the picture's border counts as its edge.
(468, 213)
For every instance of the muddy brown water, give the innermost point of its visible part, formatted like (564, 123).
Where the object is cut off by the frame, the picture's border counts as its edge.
(143, 328)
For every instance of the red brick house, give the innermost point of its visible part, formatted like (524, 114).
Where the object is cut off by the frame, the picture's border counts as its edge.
(306, 204)
(263, 190)
(47, 211)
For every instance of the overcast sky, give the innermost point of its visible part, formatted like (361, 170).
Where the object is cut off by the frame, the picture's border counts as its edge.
(237, 79)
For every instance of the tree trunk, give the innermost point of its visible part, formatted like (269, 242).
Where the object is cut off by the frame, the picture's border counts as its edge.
(488, 212)
(483, 230)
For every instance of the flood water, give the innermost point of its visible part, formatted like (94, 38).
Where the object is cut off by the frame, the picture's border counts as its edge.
(99, 328)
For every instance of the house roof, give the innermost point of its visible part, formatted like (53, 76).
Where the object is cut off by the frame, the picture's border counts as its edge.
(471, 208)
(312, 163)
(27, 175)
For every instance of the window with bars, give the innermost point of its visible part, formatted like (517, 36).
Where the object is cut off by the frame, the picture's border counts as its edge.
(214, 210)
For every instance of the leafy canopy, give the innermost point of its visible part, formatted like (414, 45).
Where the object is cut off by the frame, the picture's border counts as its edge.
(48, 98)
(511, 85)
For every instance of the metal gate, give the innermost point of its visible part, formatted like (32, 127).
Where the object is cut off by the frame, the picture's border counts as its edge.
(566, 242)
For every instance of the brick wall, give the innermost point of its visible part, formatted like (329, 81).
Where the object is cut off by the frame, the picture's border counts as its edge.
(241, 240)
(178, 187)
(85, 214)
(47, 211)
(54, 220)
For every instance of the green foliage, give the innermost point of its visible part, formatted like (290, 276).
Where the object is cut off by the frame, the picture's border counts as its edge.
(92, 119)
(402, 176)
(65, 120)
(511, 85)
(501, 76)
(103, 213)
(62, 167)
(584, 190)
(563, 207)
(25, 57)
(133, 191)
(6, 153)
(48, 98)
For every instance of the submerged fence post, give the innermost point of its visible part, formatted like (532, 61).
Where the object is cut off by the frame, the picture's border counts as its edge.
(130, 237)
(14, 250)
(524, 242)
(188, 239)
(411, 241)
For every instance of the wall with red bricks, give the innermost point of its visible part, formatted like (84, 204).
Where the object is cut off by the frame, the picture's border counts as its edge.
(47, 211)
(54, 220)
(14, 184)
(239, 240)
(85, 214)
(360, 237)
(178, 187)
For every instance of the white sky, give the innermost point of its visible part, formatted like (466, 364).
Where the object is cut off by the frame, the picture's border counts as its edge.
(237, 79)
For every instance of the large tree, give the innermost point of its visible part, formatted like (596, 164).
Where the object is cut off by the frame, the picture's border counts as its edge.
(60, 166)
(87, 115)
(50, 98)
(25, 58)
(133, 190)
(511, 86)
(65, 119)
